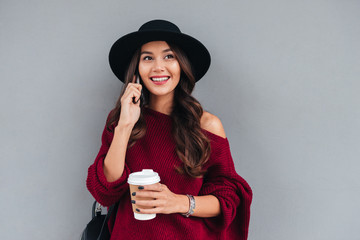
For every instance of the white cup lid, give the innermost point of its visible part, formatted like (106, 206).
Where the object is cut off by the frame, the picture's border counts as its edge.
(145, 177)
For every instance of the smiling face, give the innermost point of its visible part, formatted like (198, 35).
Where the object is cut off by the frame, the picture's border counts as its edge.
(159, 69)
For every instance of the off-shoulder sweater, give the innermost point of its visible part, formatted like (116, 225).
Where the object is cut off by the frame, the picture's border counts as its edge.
(156, 150)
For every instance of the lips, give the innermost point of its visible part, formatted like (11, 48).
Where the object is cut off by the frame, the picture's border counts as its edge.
(159, 78)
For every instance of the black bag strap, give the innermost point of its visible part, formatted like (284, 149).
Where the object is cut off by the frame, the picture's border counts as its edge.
(111, 208)
(93, 211)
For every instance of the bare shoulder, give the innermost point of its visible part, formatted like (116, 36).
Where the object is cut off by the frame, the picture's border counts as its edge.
(212, 123)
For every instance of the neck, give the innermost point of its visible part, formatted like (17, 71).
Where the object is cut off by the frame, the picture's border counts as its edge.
(163, 104)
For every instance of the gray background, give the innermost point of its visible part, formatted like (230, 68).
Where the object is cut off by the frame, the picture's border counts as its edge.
(284, 81)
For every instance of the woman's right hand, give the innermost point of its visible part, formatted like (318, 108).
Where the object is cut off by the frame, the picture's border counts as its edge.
(130, 111)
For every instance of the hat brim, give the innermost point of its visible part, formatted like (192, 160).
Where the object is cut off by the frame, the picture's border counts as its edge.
(124, 48)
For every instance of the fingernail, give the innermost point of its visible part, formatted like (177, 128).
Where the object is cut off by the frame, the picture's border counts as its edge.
(137, 210)
(134, 193)
(133, 201)
(140, 187)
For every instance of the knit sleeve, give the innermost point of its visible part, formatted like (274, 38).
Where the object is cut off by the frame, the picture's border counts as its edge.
(233, 192)
(106, 193)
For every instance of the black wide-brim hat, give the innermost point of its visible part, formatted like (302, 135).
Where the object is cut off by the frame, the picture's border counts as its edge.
(124, 48)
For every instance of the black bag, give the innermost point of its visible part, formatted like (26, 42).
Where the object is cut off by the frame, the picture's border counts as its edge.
(97, 228)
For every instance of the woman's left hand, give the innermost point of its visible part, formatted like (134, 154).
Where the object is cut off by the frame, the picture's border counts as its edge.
(164, 201)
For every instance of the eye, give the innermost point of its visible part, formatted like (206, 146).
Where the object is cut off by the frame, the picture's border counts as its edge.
(147, 58)
(169, 56)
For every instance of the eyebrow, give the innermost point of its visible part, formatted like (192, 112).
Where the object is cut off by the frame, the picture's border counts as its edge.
(164, 51)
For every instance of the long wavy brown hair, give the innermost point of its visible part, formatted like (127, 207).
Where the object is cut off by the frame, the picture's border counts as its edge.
(192, 145)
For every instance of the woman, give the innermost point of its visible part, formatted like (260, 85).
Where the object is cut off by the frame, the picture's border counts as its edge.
(157, 124)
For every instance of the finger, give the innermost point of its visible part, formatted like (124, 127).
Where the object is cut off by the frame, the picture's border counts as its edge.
(148, 194)
(149, 210)
(136, 85)
(132, 88)
(133, 92)
(155, 187)
(136, 100)
(149, 203)
(136, 97)
(133, 98)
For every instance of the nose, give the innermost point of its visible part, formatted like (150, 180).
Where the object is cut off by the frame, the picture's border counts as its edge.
(158, 66)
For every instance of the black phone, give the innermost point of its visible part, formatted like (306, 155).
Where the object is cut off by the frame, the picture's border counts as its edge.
(141, 99)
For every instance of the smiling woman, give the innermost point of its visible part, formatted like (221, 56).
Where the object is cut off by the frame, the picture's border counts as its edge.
(159, 70)
(168, 131)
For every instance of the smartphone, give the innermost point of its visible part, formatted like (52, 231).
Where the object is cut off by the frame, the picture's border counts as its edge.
(141, 99)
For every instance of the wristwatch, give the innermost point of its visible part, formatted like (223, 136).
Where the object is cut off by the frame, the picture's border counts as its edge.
(192, 205)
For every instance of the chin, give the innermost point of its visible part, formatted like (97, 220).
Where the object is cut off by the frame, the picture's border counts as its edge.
(161, 93)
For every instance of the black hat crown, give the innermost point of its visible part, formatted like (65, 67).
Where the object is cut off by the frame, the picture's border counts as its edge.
(159, 25)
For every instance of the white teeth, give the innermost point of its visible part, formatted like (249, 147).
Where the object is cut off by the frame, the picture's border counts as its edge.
(160, 79)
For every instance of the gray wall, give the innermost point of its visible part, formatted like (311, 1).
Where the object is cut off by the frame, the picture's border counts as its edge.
(284, 81)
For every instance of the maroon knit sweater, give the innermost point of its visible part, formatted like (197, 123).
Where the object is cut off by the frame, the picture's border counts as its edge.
(156, 150)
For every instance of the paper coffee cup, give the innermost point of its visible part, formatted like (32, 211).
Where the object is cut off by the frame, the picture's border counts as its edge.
(136, 179)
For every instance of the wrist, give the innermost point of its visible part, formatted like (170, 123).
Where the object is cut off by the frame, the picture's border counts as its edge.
(123, 128)
(184, 204)
(192, 205)
(122, 134)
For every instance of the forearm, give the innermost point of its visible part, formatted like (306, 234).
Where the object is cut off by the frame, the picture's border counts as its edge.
(115, 158)
(205, 206)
